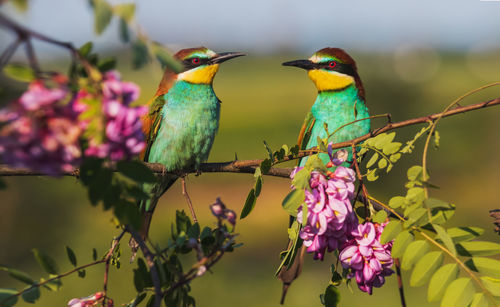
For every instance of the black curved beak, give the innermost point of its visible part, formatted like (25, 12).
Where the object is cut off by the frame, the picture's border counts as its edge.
(304, 64)
(224, 56)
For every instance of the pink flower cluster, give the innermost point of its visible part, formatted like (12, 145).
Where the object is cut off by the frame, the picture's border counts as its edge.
(89, 301)
(329, 212)
(41, 130)
(368, 260)
(332, 224)
(124, 138)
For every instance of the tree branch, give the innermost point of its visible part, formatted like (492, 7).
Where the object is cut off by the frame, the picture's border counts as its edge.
(249, 166)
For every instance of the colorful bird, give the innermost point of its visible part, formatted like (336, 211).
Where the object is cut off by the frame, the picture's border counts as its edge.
(340, 101)
(182, 121)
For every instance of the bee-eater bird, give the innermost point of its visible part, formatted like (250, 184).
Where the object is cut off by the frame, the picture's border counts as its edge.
(340, 101)
(182, 121)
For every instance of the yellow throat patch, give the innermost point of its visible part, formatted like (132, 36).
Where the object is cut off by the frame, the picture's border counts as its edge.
(200, 75)
(329, 80)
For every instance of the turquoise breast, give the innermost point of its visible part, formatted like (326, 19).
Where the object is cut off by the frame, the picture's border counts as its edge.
(337, 108)
(190, 119)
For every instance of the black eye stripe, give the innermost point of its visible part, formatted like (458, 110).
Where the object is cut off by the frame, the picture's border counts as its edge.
(188, 63)
(339, 67)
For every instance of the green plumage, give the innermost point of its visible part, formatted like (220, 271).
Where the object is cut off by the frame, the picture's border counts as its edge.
(336, 108)
(188, 123)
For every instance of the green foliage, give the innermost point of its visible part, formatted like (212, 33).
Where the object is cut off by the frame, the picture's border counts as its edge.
(401, 242)
(331, 297)
(102, 15)
(459, 293)
(19, 72)
(71, 255)
(7, 297)
(45, 261)
(391, 230)
(425, 267)
(385, 154)
(440, 281)
(413, 253)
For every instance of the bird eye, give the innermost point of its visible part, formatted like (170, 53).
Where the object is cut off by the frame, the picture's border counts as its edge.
(332, 64)
(195, 60)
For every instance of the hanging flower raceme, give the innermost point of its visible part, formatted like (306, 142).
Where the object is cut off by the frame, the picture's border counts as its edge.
(366, 258)
(330, 217)
(123, 136)
(41, 131)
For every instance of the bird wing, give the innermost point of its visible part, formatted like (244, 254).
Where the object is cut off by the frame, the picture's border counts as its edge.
(152, 120)
(151, 123)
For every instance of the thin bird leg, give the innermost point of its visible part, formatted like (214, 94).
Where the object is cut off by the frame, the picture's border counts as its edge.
(190, 204)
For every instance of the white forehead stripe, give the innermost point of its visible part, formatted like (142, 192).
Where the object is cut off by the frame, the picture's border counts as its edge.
(317, 58)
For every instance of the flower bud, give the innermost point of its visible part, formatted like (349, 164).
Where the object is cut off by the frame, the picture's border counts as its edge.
(218, 208)
(231, 216)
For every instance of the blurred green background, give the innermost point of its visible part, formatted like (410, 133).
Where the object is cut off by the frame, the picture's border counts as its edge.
(262, 100)
(407, 70)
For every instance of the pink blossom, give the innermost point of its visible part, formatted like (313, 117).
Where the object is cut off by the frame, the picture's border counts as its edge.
(366, 258)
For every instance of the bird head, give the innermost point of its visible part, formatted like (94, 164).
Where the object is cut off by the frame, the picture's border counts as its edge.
(201, 64)
(331, 69)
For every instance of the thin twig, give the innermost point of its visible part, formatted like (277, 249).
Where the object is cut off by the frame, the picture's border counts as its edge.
(188, 199)
(400, 282)
(151, 264)
(103, 260)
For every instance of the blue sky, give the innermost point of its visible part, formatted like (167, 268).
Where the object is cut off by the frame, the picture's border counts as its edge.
(272, 25)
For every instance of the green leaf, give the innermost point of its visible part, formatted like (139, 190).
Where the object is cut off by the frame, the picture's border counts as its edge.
(4, 294)
(249, 204)
(136, 171)
(459, 234)
(20, 5)
(265, 166)
(440, 281)
(401, 242)
(332, 296)
(382, 163)
(372, 175)
(166, 58)
(397, 201)
(31, 295)
(459, 293)
(106, 64)
(258, 186)
(391, 230)
(479, 300)
(372, 160)
(391, 148)
(301, 179)
(71, 255)
(314, 162)
(126, 11)
(47, 263)
(293, 200)
(53, 285)
(445, 238)
(380, 217)
(94, 254)
(413, 253)
(194, 231)
(269, 150)
(492, 285)
(478, 248)
(395, 157)
(124, 33)
(102, 15)
(437, 138)
(85, 49)
(425, 267)
(19, 72)
(140, 54)
(417, 216)
(415, 195)
(415, 173)
(19, 275)
(81, 273)
(485, 266)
